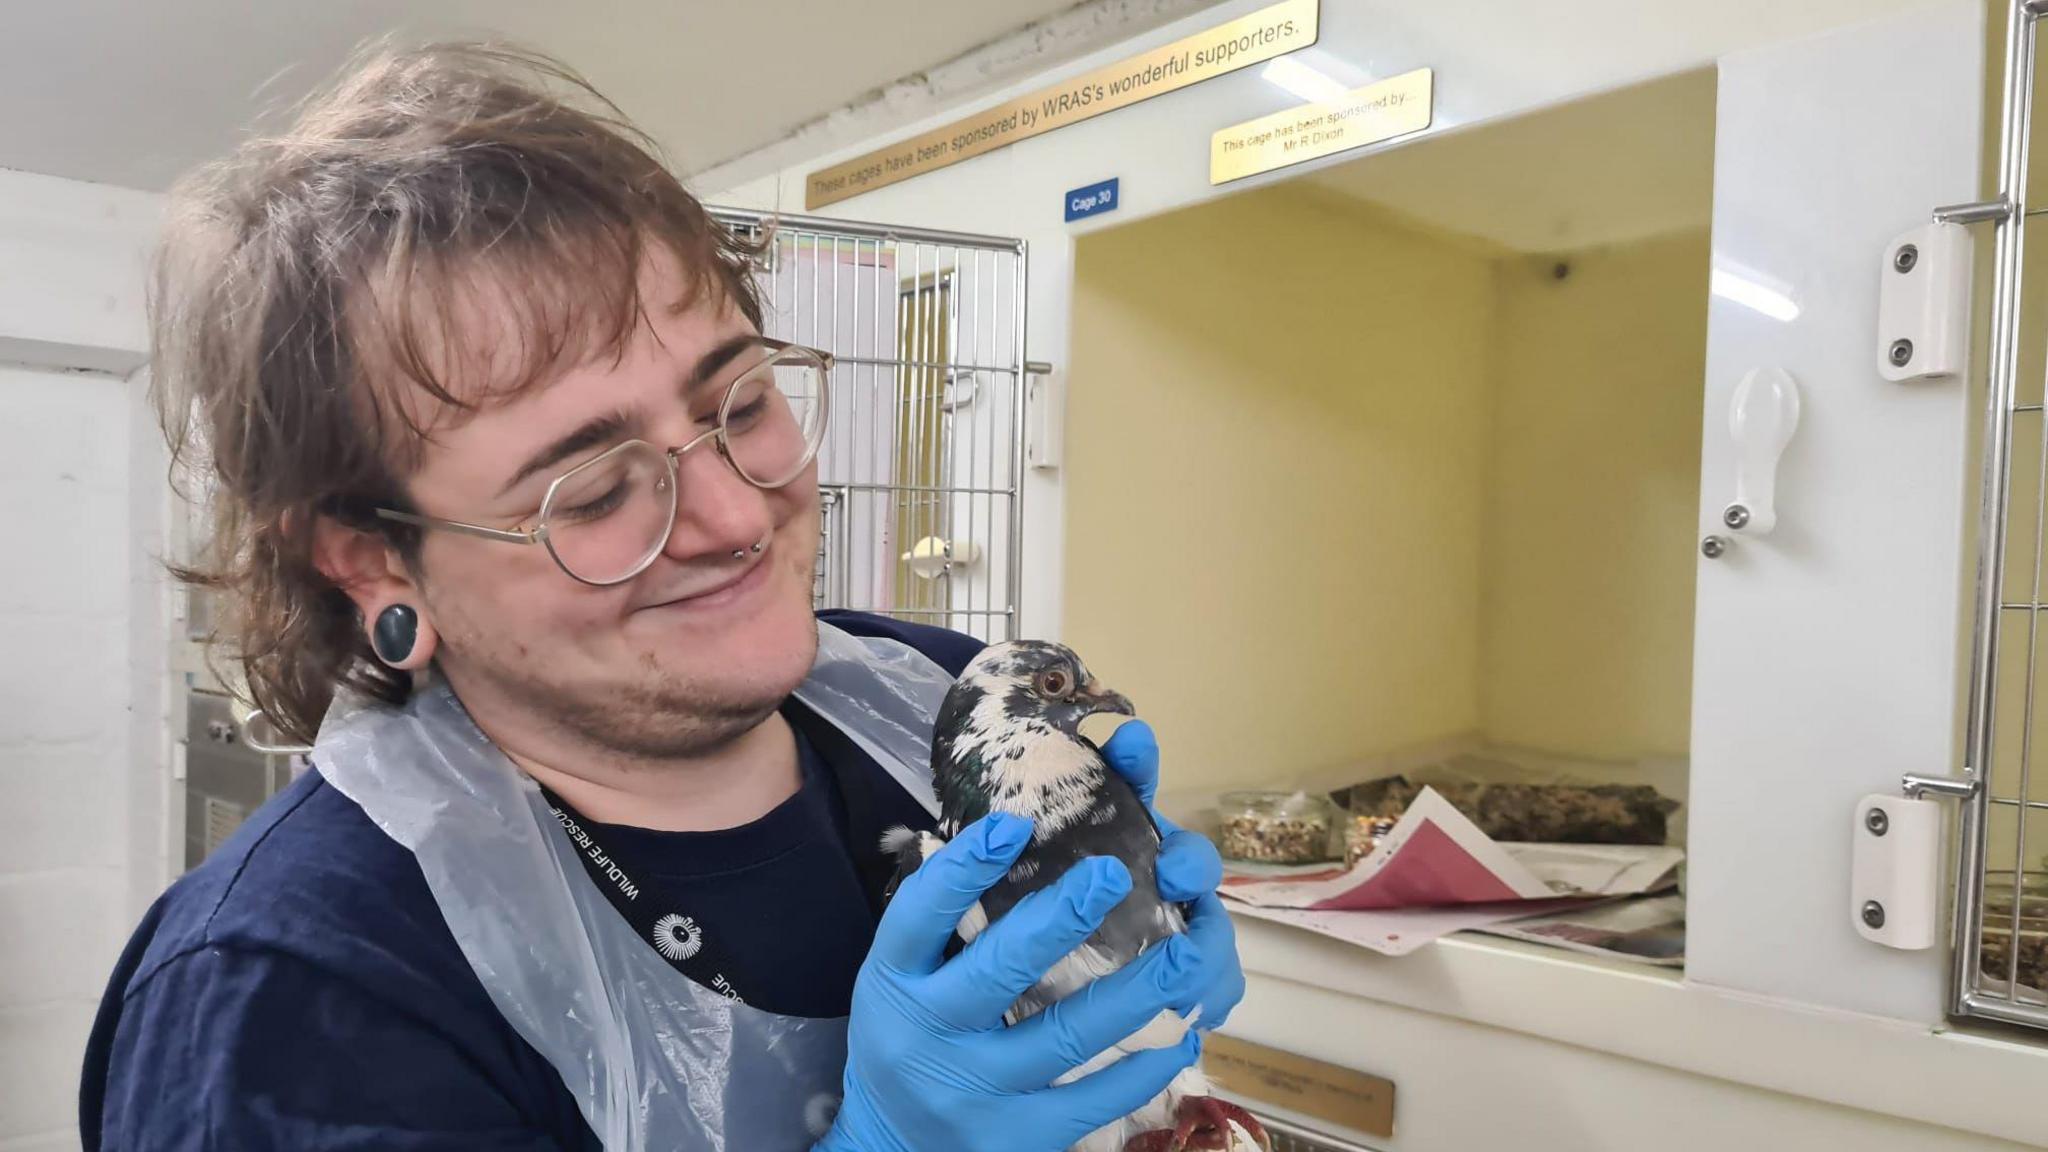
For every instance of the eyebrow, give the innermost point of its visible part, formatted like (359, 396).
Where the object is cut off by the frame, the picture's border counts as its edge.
(599, 430)
(613, 426)
(713, 361)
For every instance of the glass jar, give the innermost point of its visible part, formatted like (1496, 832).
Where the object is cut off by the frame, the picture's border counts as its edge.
(1362, 836)
(1278, 828)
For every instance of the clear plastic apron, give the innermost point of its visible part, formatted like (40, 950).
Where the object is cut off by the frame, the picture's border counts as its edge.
(656, 1062)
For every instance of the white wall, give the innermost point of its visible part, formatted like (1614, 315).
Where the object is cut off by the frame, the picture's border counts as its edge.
(1493, 58)
(63, 748)
(81, 739)
(1330, 495)
(72, 261)
(1587, 645)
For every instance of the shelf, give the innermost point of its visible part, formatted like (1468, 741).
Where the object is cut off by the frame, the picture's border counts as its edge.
(1971, 1082)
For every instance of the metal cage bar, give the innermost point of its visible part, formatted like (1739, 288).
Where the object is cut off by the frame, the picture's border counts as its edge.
(921, 473)
(1999, 994)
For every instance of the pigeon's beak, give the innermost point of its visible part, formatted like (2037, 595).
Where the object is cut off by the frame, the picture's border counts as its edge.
(1095, 700)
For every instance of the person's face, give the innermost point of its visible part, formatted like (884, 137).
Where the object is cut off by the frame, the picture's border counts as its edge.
(695, 650)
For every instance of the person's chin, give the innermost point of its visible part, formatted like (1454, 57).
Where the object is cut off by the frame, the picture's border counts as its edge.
(758, 673)
(778, 646)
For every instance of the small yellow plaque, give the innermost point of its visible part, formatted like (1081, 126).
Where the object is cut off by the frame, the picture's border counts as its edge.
(1329, 1092)
(1368, 115)
(1250, 39)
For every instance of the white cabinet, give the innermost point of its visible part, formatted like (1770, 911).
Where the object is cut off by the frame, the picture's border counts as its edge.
(1827, 658)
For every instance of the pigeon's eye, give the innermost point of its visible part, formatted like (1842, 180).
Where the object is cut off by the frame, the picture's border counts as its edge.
(1054, 682)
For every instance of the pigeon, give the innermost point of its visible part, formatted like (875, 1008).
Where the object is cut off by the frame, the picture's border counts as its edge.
(1008, 739)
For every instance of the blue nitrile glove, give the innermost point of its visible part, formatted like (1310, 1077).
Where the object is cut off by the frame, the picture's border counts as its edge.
(930, 1065)
(1189, 871)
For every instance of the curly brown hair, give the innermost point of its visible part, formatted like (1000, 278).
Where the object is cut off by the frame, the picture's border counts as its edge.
(309, 285)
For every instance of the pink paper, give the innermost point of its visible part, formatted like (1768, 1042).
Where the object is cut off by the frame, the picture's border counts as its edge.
(1433, 857)
(1399, 931)
(1436, 858)
(1430, 869)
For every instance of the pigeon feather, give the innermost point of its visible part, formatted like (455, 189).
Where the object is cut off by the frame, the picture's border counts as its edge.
(1007, 739)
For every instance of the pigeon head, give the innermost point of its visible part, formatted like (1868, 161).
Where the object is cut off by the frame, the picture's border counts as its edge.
(1034, 680)
(1009, 734)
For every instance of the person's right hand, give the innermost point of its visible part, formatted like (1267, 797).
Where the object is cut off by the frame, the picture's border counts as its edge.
(930, 1066)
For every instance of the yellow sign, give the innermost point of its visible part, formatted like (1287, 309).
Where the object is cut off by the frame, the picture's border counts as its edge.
(1367, 115)
(1328, 1092)
(1235, 44)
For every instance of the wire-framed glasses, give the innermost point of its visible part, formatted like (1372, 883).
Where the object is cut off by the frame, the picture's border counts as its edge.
(605, 520)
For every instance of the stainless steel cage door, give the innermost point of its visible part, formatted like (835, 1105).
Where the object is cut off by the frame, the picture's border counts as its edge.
(2000, 960)
(920, 475)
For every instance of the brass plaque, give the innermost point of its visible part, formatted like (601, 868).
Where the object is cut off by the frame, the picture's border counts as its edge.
(1354, 1100)
(1240, 43)
(1368, 115)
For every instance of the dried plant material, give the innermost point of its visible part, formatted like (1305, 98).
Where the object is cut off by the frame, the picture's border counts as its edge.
(1532, 813)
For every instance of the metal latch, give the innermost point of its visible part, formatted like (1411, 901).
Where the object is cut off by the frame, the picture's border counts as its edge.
(1044, 417)
(1923, 303)
(1895, 871)
(1916, 786)
(261, 735)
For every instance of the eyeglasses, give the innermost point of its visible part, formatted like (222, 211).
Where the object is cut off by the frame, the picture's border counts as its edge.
(605, 520)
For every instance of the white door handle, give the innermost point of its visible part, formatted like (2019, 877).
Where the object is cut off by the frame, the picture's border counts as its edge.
(1761, 420)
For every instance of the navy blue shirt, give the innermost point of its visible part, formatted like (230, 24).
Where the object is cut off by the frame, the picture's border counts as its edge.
(299, 990)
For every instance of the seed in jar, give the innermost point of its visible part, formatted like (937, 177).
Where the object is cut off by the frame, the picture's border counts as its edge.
(1275, 839)
(1362, 835)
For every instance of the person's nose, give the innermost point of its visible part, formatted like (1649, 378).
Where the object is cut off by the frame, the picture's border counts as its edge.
(717, 512)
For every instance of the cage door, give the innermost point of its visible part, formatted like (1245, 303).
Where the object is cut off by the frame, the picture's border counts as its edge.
(2000, 961)
(920, 475)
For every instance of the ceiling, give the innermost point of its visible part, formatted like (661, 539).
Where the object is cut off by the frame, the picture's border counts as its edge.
(130, 93)
(1619, 166)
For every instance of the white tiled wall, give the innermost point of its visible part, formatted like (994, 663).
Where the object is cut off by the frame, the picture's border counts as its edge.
(82, 778)
(66, 564)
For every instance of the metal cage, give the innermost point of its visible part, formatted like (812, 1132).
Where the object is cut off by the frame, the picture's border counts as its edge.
(2000, 961)
(920, 476)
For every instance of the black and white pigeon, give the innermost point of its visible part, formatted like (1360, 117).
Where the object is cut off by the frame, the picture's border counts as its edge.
(1008, 739)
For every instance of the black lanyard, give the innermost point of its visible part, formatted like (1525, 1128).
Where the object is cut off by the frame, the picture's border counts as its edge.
(669, 927)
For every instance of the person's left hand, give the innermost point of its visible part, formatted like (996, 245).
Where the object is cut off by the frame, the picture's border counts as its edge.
(1189, 871)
